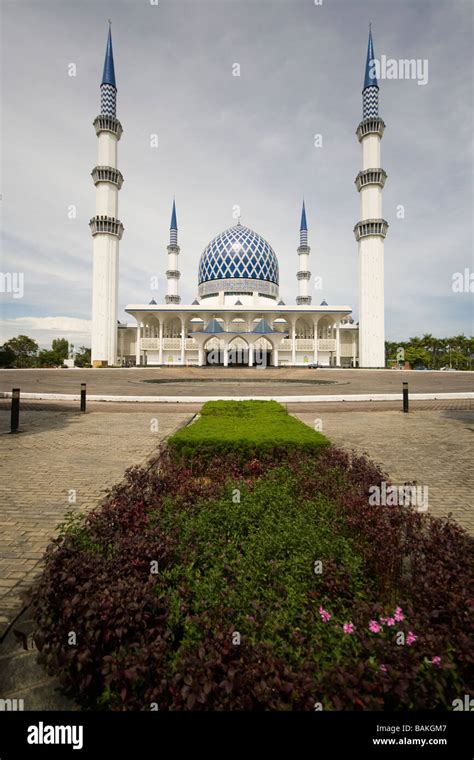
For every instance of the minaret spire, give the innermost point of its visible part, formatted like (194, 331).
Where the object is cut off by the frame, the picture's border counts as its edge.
(303, 274)
(173, 274)
(173, 226)
(370, 93)
(108, 87)
(106, 228)
(303, 227)
(370, 232)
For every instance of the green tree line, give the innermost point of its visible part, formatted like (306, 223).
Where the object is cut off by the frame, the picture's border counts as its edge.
(24, 352)
(434, 353)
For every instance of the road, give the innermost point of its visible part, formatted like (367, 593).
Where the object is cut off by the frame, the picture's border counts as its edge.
(210, 381)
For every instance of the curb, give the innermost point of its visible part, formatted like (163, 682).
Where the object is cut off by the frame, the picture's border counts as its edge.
(203, 399)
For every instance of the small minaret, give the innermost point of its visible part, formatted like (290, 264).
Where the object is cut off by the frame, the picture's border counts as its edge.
(173, 273)
(105, 226)
(370, 232)
(303, 274)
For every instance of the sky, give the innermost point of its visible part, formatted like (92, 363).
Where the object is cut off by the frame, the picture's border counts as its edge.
(227, 141)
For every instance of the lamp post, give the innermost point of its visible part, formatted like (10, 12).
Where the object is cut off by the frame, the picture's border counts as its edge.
(449, 349)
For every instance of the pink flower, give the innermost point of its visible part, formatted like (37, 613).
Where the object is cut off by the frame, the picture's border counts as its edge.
(383, 620)
(399, 616)
(384, 668)
(374, 626)
(411, 638)
(436, 660)
(390, 621)
(325, 615)
(348, 627)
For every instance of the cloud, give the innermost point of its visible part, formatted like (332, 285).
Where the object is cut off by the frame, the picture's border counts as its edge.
(245, 140)
(45, 329)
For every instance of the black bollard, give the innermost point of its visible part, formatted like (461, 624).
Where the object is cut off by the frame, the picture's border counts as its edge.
(83, 397)
(405, 397)
(15, 414)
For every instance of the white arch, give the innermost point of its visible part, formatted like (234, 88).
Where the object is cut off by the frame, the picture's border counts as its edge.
(172, 328)
(304, 328)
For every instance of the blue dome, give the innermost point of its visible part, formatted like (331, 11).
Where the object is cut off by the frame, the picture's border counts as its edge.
(238, 253)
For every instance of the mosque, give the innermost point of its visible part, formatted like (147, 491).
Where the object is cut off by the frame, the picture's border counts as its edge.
(238, 317)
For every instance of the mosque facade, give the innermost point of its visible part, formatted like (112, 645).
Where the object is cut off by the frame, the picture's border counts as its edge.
(237, 317)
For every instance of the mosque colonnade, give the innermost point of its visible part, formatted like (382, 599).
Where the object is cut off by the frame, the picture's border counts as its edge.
(200, 338)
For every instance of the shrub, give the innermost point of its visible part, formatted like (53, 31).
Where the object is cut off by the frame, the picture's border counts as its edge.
(235, 542)
(247, 429)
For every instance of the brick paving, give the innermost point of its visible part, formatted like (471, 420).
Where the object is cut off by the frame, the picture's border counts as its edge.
(292, 406)
(55, 454)
(22, 678)
(432, 447)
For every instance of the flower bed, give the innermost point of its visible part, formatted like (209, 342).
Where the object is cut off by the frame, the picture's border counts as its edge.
(231, 583)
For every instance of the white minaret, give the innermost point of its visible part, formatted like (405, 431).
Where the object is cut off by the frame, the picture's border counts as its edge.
(105, 226)
(370, 232)
(173, 273)
(303, 274)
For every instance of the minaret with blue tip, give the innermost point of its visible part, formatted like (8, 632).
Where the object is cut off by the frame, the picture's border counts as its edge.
(173, 274)
(370, 232)
(303, 274)
(106, 228)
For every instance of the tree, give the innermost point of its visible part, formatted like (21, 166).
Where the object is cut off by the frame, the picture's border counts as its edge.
(7, 356)
(24, 349)
(417, 355)
(61, 347)
(428, 342)
(458, 359)
(49, 358)
(83, 357)
(391, 349)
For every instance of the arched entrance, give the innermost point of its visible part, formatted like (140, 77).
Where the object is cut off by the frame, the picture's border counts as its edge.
(238, 352)
(213, 352)
(262, 353)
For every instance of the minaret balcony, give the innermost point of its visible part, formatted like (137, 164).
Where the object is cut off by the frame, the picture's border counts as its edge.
(303, 275)
(371, 126)
(173, 274)
(303, 300)
(104, 123)
(304, 249)
(107, 174)
(106, 225)
(370, 227)
(172, 299)
(172, 248)
(370, 177)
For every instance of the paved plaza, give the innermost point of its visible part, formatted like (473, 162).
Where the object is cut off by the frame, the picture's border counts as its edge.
(60, 456)
(432, 447)
(212, 381)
